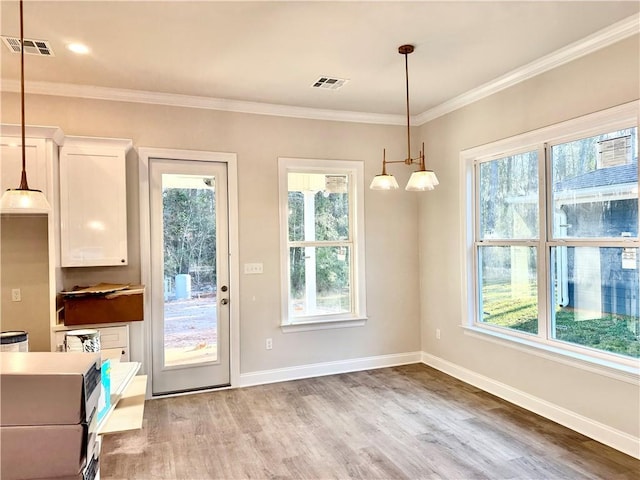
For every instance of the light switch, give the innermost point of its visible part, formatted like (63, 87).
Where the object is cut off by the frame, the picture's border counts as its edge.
(252, 268)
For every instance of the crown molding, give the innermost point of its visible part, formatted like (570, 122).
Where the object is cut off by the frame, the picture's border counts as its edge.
(33, 131)
(601, 39)
(79, 143)
(207, 103)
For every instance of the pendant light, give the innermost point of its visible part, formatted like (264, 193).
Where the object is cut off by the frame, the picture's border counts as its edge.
(422, 179)
(23, 199)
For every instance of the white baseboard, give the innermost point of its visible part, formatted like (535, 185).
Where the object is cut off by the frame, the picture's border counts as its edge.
(602, 433)
(327, 368)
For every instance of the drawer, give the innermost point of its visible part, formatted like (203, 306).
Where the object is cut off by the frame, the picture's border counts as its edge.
(113, 337)
(119, 353)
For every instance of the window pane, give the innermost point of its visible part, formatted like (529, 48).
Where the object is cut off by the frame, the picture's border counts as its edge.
(508, 189)
(596, 292)
(319, 280)
(318, 207)
(296, 216)
(508, 287)
(595, 186)
(332, 216)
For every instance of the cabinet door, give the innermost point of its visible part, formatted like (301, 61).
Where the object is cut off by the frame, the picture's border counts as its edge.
(93, 209)
(11, 165)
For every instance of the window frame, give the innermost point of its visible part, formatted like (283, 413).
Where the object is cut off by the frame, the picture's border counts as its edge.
(355, 170)
(542, 343)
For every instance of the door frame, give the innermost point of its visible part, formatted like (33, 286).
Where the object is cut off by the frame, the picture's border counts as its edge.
(144, 155)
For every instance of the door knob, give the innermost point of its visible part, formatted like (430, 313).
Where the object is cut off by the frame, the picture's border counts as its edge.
(224, 301)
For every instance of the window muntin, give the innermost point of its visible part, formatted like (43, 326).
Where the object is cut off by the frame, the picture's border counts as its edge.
(323, 274)
(598, 230)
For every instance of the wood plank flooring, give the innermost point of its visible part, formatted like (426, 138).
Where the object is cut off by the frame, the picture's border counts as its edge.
(409, 422)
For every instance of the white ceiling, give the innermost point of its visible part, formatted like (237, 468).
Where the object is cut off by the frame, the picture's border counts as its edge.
(272, 52)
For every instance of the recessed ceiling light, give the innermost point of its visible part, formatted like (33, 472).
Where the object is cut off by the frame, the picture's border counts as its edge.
(78, 48)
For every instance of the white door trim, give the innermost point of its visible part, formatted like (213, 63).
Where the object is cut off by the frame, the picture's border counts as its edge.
(144, 154)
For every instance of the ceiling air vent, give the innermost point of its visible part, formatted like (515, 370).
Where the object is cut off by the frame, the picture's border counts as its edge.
(329, 83)
(31, 46)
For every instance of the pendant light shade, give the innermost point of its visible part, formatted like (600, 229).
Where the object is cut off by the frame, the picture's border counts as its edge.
(23, 199)
(423, 179)
(384, 182)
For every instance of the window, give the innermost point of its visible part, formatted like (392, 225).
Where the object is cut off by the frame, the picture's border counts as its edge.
(322, 237)
(552, 237)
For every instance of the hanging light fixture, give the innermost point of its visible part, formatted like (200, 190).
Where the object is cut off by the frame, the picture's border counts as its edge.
(23, 199)
(422, 179)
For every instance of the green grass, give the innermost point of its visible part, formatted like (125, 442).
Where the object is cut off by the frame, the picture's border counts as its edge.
(519, 311)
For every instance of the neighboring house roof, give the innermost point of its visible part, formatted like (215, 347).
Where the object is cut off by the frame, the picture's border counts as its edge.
(604, 184)
(618, 175)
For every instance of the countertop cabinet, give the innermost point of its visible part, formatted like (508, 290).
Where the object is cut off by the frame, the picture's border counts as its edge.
(114, 340)
(93, 202)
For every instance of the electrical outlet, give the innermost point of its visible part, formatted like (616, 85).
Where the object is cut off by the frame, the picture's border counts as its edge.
(269, 344)
(438, 333)
(16, 295)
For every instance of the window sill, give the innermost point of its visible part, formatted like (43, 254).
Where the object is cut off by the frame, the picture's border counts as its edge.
(323, 324)
(627, 372)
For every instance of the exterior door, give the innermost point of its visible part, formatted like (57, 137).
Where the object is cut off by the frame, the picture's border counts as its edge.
(189, 274)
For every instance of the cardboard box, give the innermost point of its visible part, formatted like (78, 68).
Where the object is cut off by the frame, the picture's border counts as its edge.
(120, 306)
(48, 388)
(91, 470)
(44, 451)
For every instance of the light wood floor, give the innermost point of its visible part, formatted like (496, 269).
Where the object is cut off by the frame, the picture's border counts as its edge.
(393, 423)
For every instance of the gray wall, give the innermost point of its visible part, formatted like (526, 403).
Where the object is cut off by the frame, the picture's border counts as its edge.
(25, 265)
(390, 217)
(601, 80)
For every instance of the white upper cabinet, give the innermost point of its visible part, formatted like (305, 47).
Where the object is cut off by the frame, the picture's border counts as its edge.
(93, 202)
(41, 149)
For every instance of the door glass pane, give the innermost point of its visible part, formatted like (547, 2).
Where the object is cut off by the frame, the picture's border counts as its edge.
(508, 287)
(508, 190)
(189, 239)
(319, 280)
(595, 186)
(596, 295)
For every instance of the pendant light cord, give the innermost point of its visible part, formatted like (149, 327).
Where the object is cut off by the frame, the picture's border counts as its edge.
(23, 179)
(406, 74)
